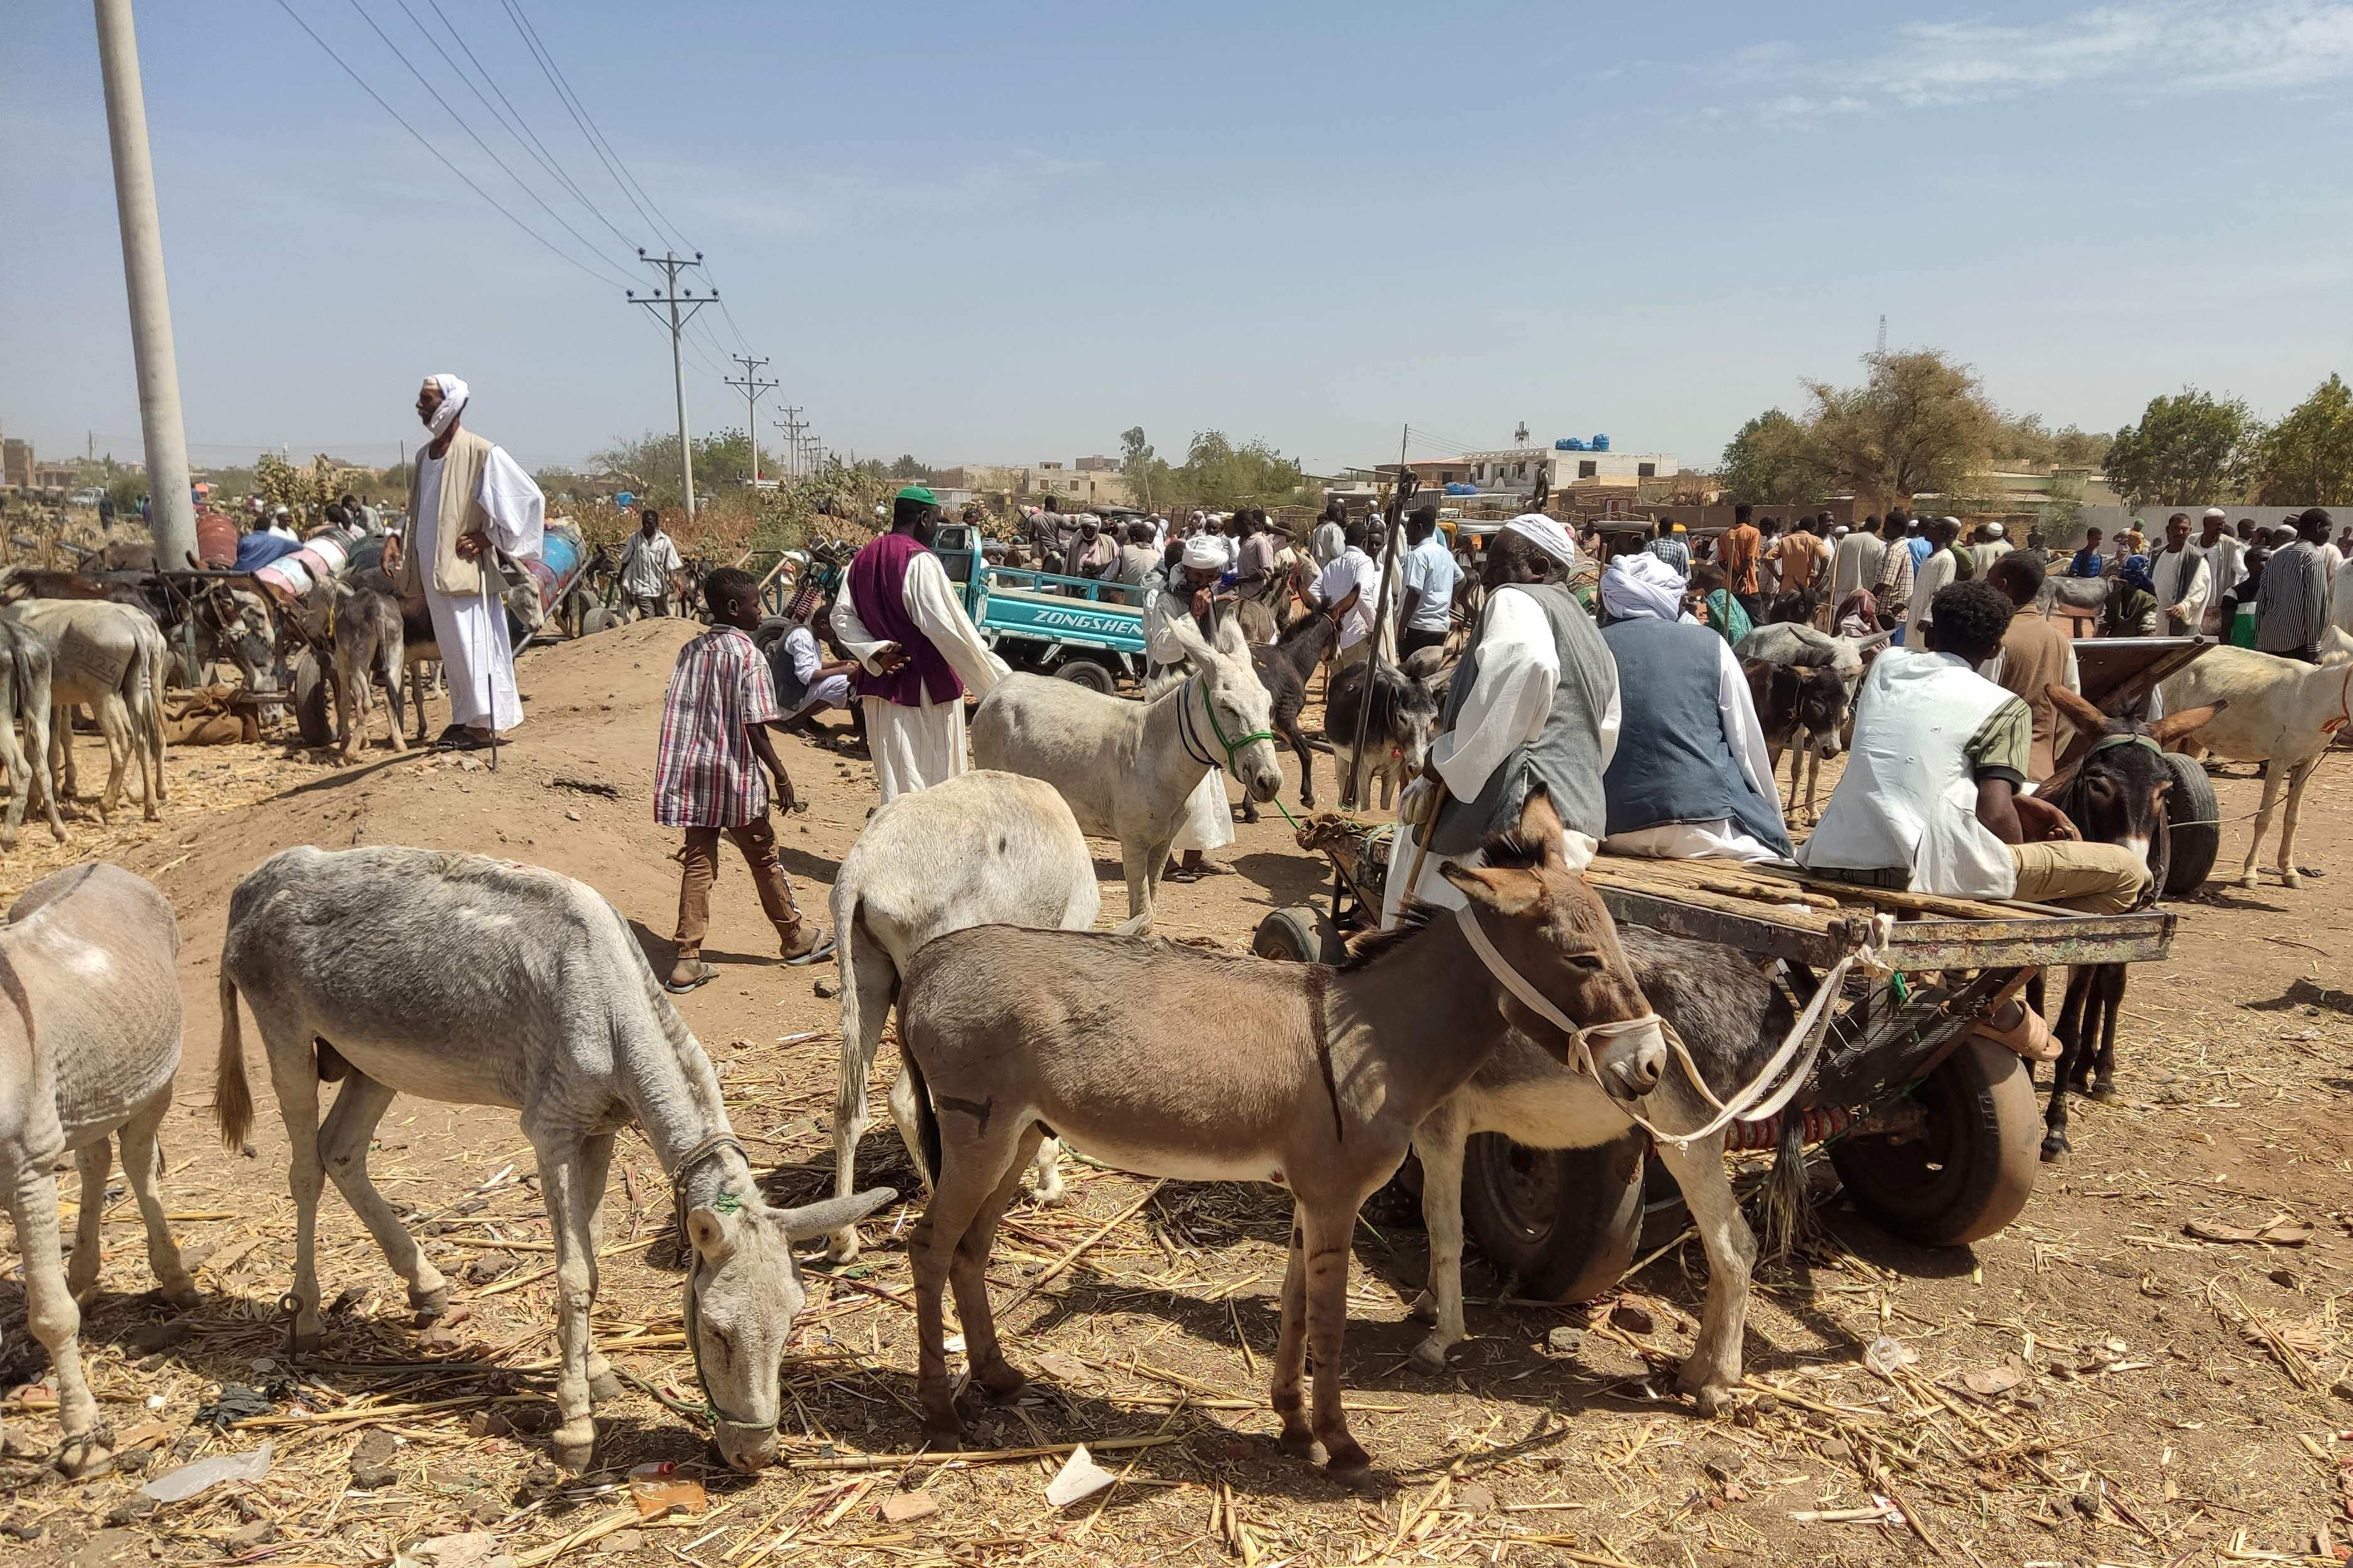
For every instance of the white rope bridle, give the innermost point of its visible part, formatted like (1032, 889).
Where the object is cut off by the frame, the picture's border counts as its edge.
(1773, 1086)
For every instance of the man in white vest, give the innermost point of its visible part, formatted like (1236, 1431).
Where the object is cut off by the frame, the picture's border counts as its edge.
(1930, 799)
(465, 497)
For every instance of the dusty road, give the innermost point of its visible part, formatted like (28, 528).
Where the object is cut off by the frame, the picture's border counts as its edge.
(2155, 1397)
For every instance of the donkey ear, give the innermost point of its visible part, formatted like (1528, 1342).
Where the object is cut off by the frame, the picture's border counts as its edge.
(1540, 825)
(712, 1234)
(813, 1220)
(1231, 641)
(2077, 712)
(2174, 726)
(1507, 889)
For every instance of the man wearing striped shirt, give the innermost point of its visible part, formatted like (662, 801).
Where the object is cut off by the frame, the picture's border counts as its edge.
(2291, 606)
(708, 776)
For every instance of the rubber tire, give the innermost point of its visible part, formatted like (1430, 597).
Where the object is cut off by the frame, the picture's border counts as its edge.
(1088, 673)
(599, 618)
(1583, 1246)
(1985, 1132)
(1299, 933)
(2196, 842)
(314, 700)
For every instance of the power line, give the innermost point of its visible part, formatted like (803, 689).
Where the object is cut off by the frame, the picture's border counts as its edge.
(469, 131)
(752, 386)
(670, 265)
(580, 117)
(361, 81)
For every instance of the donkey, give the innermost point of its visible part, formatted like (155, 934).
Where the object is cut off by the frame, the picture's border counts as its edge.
(1302, 1075)
(2282, 714)
(1284, 669)
(87, 1053)
(107, 655)
(1731, 1017)
(1795, 703)
(371, 642)
(2111, 783)
(25, 697)
(1128, 770)
(480, 982)
(978, 848)
(1404, 713)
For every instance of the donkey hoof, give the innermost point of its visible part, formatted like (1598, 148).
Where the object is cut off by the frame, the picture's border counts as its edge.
(605, 1387)
(947, 1434)
(1299, 1443)
(842, 1246)
(1001, 1384)
(429, 1305)
(2291, 879)
(1429, 1356)
(1710, 1399)
(573, 1444)
(2102, 1088)
(2055, 1145)
(84, 1457)
(1350, 1466)
(182, 1294)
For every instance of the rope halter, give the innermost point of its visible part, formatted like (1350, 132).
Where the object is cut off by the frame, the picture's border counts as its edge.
(1190, 736)
(692, 1313)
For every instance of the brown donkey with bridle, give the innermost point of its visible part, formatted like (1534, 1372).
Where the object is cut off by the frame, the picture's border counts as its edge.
(1311, 1077)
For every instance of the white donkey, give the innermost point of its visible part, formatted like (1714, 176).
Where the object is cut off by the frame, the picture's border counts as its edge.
(1128, 769)
(2278, 712)
(89, 1041)
(25, 697)
(980, 848)
(479, 982)
(111, 657)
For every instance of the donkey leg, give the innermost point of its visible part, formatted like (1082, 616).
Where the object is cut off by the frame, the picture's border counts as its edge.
(1714, 1370)
(94, 1161)
(563, 1181)
(2071, 1051)
(2263, 824)
(20, 778)
(142, 1155)
(1143, 864)
(2110, 980)
(1438, 1140)
(969, 1273)
(294, 1076)
(1291, 1345)
(2295, 783)
(393, 668)
(595, 1167)
(52, 1317)
(344, 1141)
(1047, 1168)
(971, 1167)
(1327, 1255)
(36, 768)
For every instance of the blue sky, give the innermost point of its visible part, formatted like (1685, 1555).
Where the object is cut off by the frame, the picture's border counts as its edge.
(1003, 233)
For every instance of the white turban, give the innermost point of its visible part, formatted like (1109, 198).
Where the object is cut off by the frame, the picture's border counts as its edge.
(454, 393)
(1640, 584)
(1204, 552)
(1546, 534)
(1993, 530)
(2218, 513)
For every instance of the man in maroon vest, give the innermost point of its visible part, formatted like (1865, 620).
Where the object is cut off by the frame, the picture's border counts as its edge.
(918, 651)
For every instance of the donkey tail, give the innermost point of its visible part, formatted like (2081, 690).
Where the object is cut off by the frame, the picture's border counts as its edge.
(927, 1120)
(232, 1098)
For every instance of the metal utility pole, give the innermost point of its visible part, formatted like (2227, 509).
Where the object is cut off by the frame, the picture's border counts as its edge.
(792, 424)
(752, 386)
(669, 266)
(172, 513)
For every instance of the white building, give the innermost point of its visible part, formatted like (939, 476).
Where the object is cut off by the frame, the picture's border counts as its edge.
(1515, 467)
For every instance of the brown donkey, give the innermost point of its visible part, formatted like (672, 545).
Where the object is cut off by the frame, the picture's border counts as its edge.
(1297, 1074)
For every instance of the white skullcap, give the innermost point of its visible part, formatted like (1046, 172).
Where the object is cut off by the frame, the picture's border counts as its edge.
(1203, 553)
(1993, 530)
(1546, 534)
(2217, 513)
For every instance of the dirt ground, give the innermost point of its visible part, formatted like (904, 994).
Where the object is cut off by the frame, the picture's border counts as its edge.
(2095, 1385)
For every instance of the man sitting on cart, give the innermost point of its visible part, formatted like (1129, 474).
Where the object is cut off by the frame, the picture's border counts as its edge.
(1930, 801)
(1535, 701)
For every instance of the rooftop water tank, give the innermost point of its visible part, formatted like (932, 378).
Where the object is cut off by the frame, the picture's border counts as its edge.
(1569, 444)
(1601, 443)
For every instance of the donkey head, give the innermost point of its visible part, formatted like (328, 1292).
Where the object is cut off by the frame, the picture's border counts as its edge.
(239, 622)
(744, 1292)
(2120, 780)
(1237, 701)
(1412, 710)
(1547, 923)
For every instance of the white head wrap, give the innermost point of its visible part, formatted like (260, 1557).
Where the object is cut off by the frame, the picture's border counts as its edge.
(2216, 512)
(1640, 584)
(1546, 534)
(1203, 553)
(1993, 530)
(454, 393)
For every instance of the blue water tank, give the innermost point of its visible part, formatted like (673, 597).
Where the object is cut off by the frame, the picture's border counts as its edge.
(1461, 489)
(1569, 443)
(1601, 443)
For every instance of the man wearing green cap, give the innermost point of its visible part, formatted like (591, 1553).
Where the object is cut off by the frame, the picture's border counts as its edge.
(918, 651)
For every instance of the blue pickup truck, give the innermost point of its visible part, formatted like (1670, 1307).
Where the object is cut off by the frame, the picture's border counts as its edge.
(1081, 630)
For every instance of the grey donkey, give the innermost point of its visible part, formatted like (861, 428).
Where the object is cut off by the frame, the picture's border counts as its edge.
(88, 1047)
(25, 698)
(370, 641)
(1128, 769)
(979, 849)
(110, 658)
(1299, 1074)
(480, 982)
(1731, 1017)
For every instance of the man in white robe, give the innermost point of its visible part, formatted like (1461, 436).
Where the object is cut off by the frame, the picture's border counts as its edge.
(1507, 705)
(1191, 594)
(899, 616)
(465, 497)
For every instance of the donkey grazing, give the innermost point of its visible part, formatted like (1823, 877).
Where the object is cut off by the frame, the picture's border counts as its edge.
(1128, 769)
(480, 982)
(1731, 1017)
(1300, 1075)
(88, 1051)
(979, 849)
(1404, 713)
(1283, 669)
(2111, 783)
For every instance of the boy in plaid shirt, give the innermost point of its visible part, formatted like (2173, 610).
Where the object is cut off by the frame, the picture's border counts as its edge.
(715, 731)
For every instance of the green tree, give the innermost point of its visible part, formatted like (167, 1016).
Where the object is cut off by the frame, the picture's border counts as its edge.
(1919, 423)
(908, 469)
(2189, 447)
(2306, 459)
(2025, 440)
(1147, 475)
(1770, 462)
(1217, 473)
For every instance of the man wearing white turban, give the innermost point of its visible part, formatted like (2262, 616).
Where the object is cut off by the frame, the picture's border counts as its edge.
(466, 496)
(1190, 592)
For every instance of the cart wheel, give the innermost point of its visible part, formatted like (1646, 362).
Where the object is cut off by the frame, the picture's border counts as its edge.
(1301, 933)
(599, 618)
(1973, 1168)
(314, 714)
(1564, 1222)
(2192, 834)
(1086, 672)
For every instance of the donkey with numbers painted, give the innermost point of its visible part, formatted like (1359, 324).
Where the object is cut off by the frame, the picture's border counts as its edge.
(1129, 769)
(90, 1043)
(481, 982)
(1300, 1075)
(978, 848)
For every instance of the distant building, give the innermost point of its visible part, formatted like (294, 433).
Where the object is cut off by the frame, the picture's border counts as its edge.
(55, 475)
(1097, 464)
(1088, 482)
(1513, 470)
(17, 464)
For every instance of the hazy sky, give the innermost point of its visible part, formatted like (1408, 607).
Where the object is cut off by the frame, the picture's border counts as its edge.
(1003, 233)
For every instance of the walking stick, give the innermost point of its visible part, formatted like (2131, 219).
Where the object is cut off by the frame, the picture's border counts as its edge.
(1421, 839)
